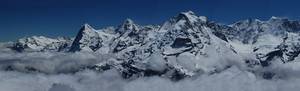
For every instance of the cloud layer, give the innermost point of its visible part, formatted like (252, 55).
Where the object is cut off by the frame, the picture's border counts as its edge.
(54, 75)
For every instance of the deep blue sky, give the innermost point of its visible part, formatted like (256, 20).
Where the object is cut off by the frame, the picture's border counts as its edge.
(20, 18)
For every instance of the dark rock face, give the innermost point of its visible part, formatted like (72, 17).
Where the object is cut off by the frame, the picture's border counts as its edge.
(182, 42)
(19, 47)
(86, 37)
(270, 57)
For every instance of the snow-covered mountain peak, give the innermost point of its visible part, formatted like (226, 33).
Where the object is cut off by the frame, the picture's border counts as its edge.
(189, 16)
(277, 18)
(278, 21)
(183, 21)
(85, 35)
(203, 18)
(128, 25)
(41, 43)
(128, 21)
(274, 17)
(86, 27)
(188, 13)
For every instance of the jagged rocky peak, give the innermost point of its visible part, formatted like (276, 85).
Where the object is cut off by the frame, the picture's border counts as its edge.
(87, 27)
(191, 17)
(186, 25)
(277, 21)
(275, 25)
(184, 31)
(188, 13)
(128, 25)
(285, 24)
(128, 21)
(85, 30)
(182, 21)
(90, 40)
(281, 21)
(86, 36)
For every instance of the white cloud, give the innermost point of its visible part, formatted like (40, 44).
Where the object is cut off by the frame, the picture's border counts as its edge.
(50, 63)
(232, 79)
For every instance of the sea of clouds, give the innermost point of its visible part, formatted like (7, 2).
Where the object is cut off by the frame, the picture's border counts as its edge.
(61, 72)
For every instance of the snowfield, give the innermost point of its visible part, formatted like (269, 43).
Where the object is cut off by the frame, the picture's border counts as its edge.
(186, 53)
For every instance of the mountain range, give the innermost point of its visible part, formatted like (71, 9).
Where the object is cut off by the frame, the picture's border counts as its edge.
(186, 45)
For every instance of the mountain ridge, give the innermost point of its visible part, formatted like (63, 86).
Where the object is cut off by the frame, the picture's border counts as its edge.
(183, 46)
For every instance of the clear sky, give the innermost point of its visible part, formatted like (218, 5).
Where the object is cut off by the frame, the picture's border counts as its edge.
(21, 18)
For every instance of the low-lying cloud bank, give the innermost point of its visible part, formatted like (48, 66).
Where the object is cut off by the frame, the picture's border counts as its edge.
(49, 63)
(52, 74)
(230, 80)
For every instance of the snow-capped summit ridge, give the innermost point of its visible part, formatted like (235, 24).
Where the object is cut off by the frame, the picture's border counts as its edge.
(189, 16)
(86, 27)
(128, 21)
(188, 13)
(83, 39)
(128, 25)
(41, 43)
(277, 18)
(274, 17)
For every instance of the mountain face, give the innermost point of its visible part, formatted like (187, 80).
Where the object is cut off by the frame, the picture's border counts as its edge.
(90, 40)
(275, 38)
(184, 46)
(41, 43)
